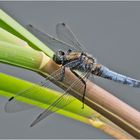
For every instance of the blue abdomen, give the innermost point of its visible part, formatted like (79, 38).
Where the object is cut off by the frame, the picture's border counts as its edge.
(111, 75)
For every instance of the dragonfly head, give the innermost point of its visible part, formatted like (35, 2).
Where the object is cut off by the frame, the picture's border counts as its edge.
(59, 57)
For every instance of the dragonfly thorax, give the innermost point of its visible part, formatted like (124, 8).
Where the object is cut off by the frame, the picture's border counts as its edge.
(79, 60)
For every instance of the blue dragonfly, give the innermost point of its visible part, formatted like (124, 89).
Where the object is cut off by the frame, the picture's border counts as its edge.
(70, 55)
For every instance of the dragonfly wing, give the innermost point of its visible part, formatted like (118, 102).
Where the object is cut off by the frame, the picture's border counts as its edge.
(50, 41)
(64, 33)
(61, 102)
(16, 106)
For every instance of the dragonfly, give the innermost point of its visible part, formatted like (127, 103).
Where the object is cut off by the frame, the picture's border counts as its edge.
(70, 54)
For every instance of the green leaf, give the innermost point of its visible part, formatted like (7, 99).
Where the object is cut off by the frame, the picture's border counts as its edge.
(11, 25)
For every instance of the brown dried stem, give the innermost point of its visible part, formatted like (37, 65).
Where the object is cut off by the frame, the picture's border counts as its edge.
(103, 102)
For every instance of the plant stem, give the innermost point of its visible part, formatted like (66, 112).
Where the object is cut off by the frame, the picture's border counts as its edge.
(113, 131)
(11, 25)
(10, 38)
(31, 60)
(104, 102)
(120, 113)
(38, 99)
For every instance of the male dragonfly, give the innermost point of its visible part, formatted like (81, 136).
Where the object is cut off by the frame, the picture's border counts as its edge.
(70, 55)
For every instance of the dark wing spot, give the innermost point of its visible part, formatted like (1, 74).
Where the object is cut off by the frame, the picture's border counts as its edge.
(63, 24)
(30, 25)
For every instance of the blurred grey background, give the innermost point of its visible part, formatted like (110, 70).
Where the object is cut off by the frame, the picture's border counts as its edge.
(110, 31)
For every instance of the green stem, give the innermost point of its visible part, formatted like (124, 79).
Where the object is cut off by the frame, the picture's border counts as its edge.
(28, 58)
(10, 86)
(11, 25)
(19, 56)
(31, 59)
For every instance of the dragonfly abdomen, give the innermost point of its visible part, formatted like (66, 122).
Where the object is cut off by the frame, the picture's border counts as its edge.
(111, 75)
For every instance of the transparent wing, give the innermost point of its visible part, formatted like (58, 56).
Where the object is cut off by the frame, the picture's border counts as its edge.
(16, 106)
(65, 34)
(13, 105)
(50, 41)
(60, 102)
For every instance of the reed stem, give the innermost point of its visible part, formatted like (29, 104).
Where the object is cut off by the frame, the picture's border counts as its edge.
(97, 98)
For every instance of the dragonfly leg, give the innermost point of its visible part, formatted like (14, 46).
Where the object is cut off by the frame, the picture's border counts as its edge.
(62, 75)
(70, 65)
(83, 81)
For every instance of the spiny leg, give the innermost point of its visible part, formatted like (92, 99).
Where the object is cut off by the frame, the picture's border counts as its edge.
(84, 94)
(71, 68)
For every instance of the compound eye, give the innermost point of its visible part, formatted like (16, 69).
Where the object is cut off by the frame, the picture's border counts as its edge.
(69, 51)
(61, 53)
